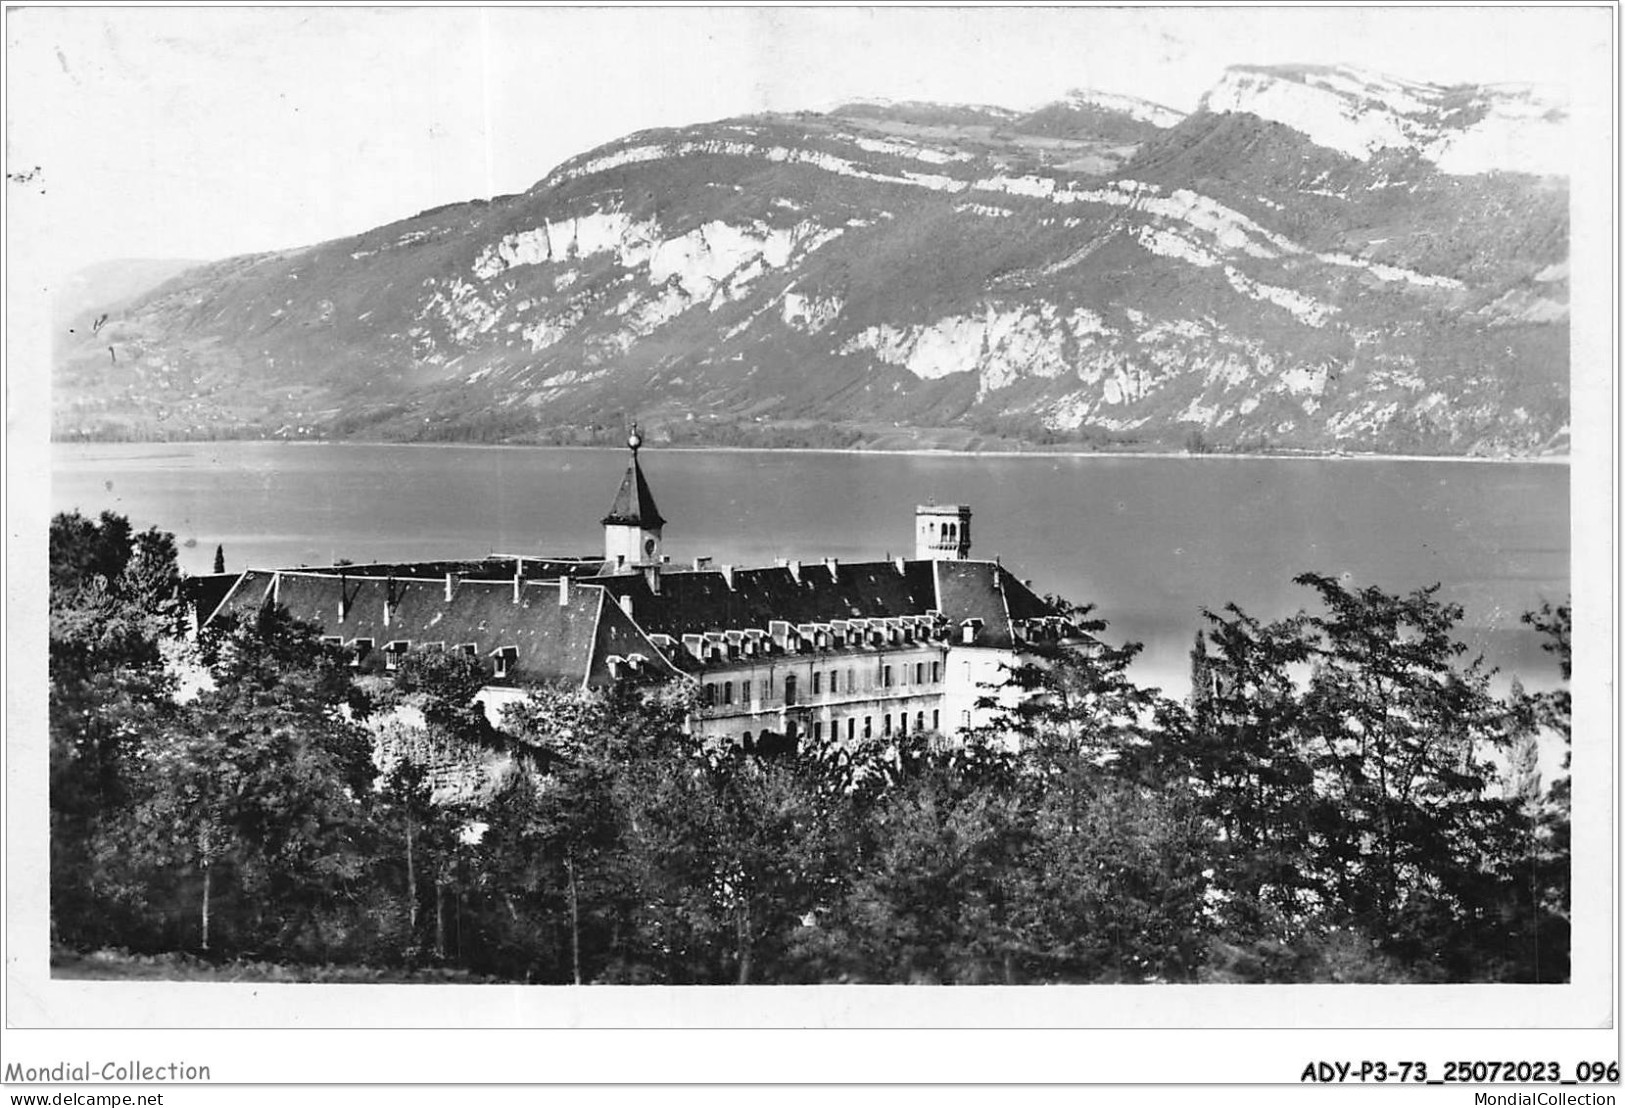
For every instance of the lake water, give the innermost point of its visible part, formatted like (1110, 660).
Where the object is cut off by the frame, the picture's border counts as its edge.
(1149, 541)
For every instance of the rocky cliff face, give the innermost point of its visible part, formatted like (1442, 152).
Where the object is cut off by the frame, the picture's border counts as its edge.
(1315, 259)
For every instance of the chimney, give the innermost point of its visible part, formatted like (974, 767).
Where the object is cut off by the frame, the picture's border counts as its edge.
(276, 588)
(651, 575)
(795, 569)
(518, 580)
(833, 565)
(626, 604)
(728, 576)
(451, 586)
(389, 601)
(564, 591)
(899, 561)
(701, 563)
(344, 598)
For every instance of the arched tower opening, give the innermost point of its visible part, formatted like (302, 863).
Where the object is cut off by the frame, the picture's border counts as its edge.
(942, 532)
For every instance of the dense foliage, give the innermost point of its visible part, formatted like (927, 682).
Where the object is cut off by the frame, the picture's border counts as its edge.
(1340, 799)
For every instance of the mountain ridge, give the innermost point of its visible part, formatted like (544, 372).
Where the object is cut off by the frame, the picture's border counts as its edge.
(1088, 274)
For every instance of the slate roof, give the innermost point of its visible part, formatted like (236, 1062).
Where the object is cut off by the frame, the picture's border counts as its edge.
(697, 601)
(568, 632)
(204, 593)
(700, 601)
(555, 632)
(634, 504)
(979, 590)
(491, 567)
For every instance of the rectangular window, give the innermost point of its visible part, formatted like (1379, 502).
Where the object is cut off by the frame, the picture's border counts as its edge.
(851, 680)
(851, 727)
(868, 726)
(469, 649)
(885, 676)
(709, 697)
(727, 692)
(833, 683)
(818, 731)
(885, 724)
(817, 681)
(902, 723)
(919, 721)
(744, 692)
(919, 673)
(935, 675)
(936, 720)
(394, 652)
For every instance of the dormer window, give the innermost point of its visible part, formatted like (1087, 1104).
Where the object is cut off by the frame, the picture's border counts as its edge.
(502, 660)
(394, 652)
(359, 649)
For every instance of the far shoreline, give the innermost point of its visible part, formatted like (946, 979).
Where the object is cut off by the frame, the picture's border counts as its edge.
(935, 452)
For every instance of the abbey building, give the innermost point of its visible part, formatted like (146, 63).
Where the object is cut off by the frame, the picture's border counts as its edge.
(802, 650)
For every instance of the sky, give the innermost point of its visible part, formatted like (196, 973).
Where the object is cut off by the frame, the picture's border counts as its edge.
(201, 133)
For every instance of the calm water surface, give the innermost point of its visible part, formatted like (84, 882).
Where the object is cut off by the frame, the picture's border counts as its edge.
(1150, 541)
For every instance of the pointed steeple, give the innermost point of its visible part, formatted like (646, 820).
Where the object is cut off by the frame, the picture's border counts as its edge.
(632, 528)
(634, 505)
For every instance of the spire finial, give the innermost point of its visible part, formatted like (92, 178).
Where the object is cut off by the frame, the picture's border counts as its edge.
(633, 439)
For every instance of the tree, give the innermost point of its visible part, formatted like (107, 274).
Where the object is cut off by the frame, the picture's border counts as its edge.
(220, 559)
(112, 604)
(1241, 750)
(570, 823)
(1111, 884)
(927, 898)
(263, 787)
(1538, 870)
(1397, 735)
(1075, 697)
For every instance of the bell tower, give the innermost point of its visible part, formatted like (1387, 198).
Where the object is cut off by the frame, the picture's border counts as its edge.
(942, 532)
(632, 528)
